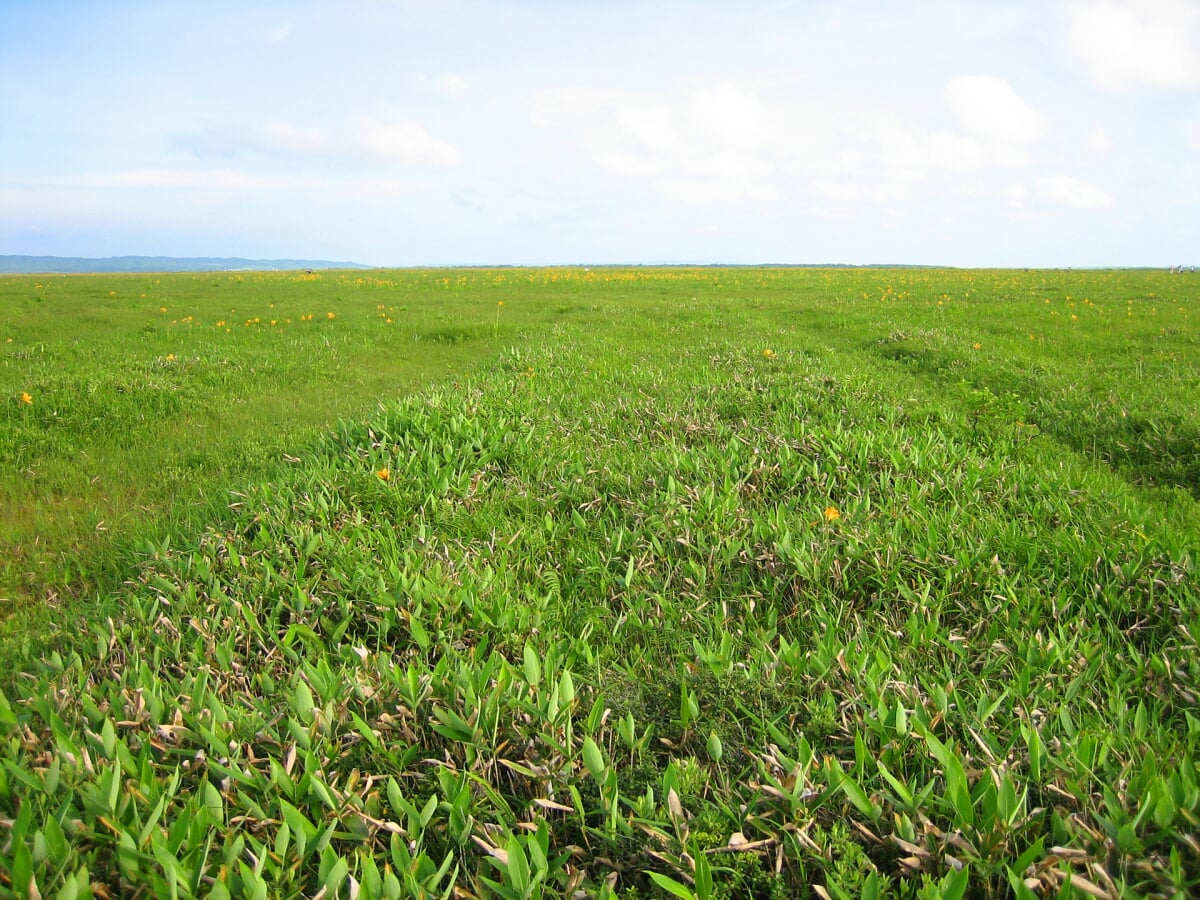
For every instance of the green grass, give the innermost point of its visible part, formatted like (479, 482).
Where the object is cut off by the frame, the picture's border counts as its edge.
(152, 396)
(729, 583)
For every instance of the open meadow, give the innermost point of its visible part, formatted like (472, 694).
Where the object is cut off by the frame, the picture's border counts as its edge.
(654, 582)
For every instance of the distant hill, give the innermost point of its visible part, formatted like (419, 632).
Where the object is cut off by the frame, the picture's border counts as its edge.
(11, 264)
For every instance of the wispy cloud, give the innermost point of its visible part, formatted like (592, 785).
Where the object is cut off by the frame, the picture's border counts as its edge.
(988, 107)
(1128, 44)
(385, 141)
(200, 179)
(730, 116)
(454, 85)
(1066, 190)
(406, 142)
(708, 131)
(290, 138)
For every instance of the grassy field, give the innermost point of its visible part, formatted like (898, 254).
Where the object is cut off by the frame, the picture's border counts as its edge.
(150, 396)
(652, 582)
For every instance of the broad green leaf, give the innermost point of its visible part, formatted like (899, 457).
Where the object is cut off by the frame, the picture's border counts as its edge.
(337, 874)
(857, 795)
(714, 747)
(593, 758)
(518, 867)
(302, 701)
(671, 886)
(533, 666)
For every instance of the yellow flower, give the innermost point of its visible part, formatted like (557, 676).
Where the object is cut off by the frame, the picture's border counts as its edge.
(976, 346)
(170, 357)
(329, 315)
(25, 398)
(832, 514)
(769, 353)
(384, 474)
(162, 309)
(499, 302)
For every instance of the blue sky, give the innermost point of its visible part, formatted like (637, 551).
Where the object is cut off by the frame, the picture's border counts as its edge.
(433, 133)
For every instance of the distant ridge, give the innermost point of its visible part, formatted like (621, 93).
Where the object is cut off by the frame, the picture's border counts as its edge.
(30, 265)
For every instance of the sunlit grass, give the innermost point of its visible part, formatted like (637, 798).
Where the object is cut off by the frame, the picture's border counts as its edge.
(162, 393)
(715, 583)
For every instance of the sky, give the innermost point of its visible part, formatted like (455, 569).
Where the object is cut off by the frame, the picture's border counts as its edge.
(419, 132)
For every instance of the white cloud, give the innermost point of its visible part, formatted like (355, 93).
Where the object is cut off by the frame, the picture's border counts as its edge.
(564, 107)
(847, 192)
(731, 116)
(651, 126)
(1065, 190)
(285, 136)
(627, 164)
(168, 178)
(370, 188)
(989, 108)
(913, 154)
(221, 179)
(713, 132)
(406, 142)
(454, 85)
(997, 129)
(954, 152)
(725, 164)
(279, 34)
(1126, 44)
(703, 192)
(1015, 195)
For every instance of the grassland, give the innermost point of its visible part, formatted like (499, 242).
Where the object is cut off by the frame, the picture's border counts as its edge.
(152, 396)
(663, 582)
